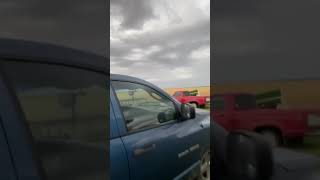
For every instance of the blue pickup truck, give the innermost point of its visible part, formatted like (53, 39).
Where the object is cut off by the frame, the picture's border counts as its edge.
(151, 138)
(62, 119)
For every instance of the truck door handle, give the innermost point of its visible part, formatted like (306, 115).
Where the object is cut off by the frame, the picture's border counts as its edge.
(142, 150)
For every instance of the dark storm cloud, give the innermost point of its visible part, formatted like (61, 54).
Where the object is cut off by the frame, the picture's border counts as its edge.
(81, 24)
(179, 41)
(134, 13)
(166, 42)
(279, 41)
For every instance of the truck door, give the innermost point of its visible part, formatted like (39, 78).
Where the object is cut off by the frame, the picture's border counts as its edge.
(157, 146)
(118, 157)
(219, 112)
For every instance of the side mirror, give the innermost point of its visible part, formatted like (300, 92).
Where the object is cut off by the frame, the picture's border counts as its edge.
(162, 117)
(187, 112)
(249, 156)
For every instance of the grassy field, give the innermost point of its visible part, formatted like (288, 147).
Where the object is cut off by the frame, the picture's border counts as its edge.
(311, 145)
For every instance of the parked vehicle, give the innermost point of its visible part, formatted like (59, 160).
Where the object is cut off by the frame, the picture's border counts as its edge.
(187, 97)
(153, 136)
(54, 121)
(236, 111)
(54, 125)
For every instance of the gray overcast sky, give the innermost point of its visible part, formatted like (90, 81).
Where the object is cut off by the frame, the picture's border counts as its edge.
(80, 25)
(265, 40)
(166, 42)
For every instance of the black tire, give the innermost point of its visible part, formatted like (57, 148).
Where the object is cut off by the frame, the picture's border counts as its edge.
(205, 166)
(273, 137)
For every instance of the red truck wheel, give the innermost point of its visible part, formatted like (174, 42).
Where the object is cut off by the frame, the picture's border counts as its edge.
(272, 137)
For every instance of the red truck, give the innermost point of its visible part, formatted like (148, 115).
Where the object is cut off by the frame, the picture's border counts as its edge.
(187, 97)
(235, 111)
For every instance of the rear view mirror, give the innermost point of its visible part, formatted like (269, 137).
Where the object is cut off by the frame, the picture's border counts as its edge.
(187, 112)
(249, 156)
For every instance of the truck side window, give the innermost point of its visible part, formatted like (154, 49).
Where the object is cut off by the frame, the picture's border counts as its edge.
(218, 104)
(66, 111)
(245, 102)
(142, 106)
(186, 93)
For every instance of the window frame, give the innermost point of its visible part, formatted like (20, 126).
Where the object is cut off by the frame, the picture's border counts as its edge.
(117, 104)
